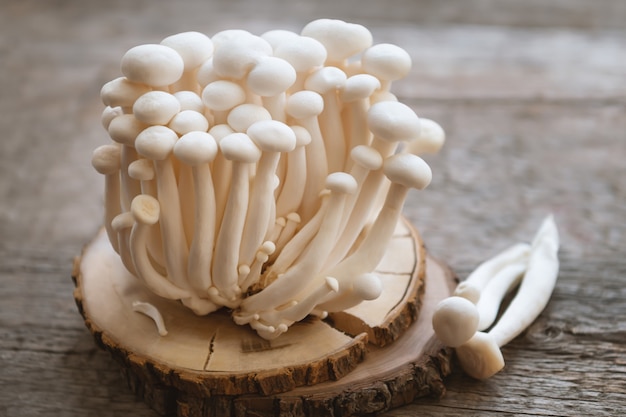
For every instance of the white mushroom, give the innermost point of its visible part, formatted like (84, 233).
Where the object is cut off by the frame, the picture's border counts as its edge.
(498, 287)
(327, 81)
(222, 171)
(157, 144)
(362, 287)
(341, 39)
(386, 62)
(152, 312)
(305, 106)
(188, 121)
(197, 149)
(235, 57)
(405, 171)
(356, 93)
(122, 93)
(122, 224)
(155, 65)
(194, 48)
(110, 113)
(189, 101)
(156, 108)
(272, 138)
(293, 187)
(304, 54)
(106, 160)
(222, 95)
(455, 321)
(430, 140)
(245, 115)
(270, 78)
(242, 151)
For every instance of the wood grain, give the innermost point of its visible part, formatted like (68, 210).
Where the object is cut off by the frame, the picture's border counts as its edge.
(531, 94)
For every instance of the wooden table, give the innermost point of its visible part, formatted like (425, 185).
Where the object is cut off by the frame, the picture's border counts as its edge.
(532, 95)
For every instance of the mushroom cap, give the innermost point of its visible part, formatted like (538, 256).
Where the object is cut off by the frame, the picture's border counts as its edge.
(223, 95)
(156, 142)
(277, 37)
(303, 137)
(271, 76)
(341, 182)
(386, 61)
(155, 65)
(239, 147)
(195, 148)
(408, 170)
(206, 73)
(341, 39)
(367, 286)
(125, 128)
(303, 104)
(393, 121)
(219, 131)
(302, 53)
(480, 357)
(468, 291)
(326, 79)
(193, 47)
(145, 209)
(122, 92)
(188, 121)
(108, 114)
(359, 87)
(106, 159)
(430, 139)
(156, 107)
(189, 100)
(367, 157)
(455, 321)
(227, 35)
(141, 169)
(235, 57)
(243, 116)
(272, 136)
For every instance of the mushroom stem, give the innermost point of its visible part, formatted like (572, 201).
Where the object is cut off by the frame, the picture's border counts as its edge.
(152, 312)
(536, 287)
(130, 187)
(494, 292)
(121, 225)
(106, 160)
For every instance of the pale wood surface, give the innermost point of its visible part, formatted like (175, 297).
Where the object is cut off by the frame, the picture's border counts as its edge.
(531, 93)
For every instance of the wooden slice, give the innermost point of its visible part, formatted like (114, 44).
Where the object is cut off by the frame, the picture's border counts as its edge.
(211, 366)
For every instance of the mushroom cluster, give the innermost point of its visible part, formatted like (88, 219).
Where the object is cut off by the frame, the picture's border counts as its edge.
(465, 321)
(264, 174)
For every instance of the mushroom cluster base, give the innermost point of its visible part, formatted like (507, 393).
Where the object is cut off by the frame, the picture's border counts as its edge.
(373, 357)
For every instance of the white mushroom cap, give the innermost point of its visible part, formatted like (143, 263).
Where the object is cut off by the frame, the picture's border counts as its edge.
(227, 35)
(193, 47)
(393, 121)
(367, 286)
(122, 92)
(303, 137)
(326, 79)
(235, 57)
(195, 148)
(341, 39)
(408, 170)
(156, 142)
(367, 157)
(219, 131)
(145, 209)
(156, 107)
(125, 128)
(141, 169)
(455, 321)
(304, 104)
(206, 73)
(223, 95)
(341, 182)
(386, 62)
(277, 37)
(243, 116)
(239, 147)
(272, 136)
(188, 121)
(359, 87)
(106, 159)
(430, 140)
(302, 53)
(480, 357)
(271, 76)
(155, 65)
(189, 101)
(108, 114)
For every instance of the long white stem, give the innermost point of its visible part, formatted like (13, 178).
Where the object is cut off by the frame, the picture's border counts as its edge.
(494, 292)
(317, 169)
(130, 187)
